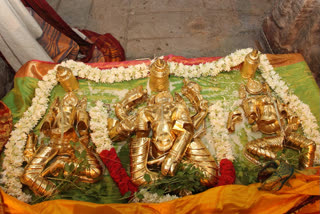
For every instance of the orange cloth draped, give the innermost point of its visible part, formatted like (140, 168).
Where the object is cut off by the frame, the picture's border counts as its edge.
(223, 199)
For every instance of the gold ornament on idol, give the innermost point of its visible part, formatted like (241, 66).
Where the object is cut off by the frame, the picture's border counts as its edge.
(176, 134)
(66, 119)
(66, 79)
(250, 64)
(159, 76)
(271, 117)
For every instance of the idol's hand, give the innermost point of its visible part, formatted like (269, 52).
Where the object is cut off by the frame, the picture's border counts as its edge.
(169, 165)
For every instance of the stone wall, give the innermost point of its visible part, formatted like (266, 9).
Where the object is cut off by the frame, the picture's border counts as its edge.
(294, 26)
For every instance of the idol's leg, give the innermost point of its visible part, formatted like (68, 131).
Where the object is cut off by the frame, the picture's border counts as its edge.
(32, 173)
(198, 155)
(263, 147)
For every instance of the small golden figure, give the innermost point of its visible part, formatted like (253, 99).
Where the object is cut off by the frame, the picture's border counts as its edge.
(64, 118)
(66, 79)
(159, 76)
(269, 116)
(250, 64)
(175, 133)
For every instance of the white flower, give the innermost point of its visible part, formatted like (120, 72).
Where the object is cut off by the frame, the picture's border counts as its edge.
(153, 197)
(221, 142)
(98, 125)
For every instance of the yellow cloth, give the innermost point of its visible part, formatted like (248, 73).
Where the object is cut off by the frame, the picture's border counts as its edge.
(223, 199)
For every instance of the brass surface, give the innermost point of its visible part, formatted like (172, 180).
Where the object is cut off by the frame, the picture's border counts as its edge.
(66, 78)
(269, 116)
(64, 119)
(198, 155)
(299, 142)
(159, 76)
(30, 147)
(234, 117)
(254, 86)
(250, 64)
(173, 130)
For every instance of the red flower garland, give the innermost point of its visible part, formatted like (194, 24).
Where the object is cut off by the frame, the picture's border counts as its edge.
(227, 173)
(117, 172)
(123, 181)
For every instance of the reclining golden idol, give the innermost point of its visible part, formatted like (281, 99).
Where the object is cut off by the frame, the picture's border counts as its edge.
(175, 134)
(269, 116)
(65, 120)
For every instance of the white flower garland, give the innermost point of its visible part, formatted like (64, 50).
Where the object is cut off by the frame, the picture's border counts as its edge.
(12, 164)
(138, 71)
(209, 68)
(107, 75)
(153, 197)
(221, 141)
(98, 125)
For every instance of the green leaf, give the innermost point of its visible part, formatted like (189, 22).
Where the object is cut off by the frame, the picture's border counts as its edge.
(72, 167)
(72, 143)
(279, 153)
(140, 196)
(77, 153)
(160, 192)
(67, 168)
(83, 154)
(180, 173)
(127, 195)
(147, 178)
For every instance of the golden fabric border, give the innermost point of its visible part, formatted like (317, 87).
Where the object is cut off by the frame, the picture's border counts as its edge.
(223, 199)
(278, 60)
(35, 69)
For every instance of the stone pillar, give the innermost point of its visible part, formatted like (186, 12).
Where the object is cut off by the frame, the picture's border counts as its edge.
(294, 27)
(6, 78)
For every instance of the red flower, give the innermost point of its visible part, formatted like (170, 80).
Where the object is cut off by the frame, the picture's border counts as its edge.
(117, 172)
(227, 173)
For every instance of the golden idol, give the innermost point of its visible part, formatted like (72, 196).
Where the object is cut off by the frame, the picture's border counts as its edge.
(67, 121)
(166, 134)
(271, 117)
(159, 76)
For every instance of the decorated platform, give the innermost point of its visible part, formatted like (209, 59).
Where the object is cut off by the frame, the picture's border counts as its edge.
(106, 84)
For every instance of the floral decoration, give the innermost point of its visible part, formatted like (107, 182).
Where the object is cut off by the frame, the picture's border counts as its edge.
(12, 163)
(108, 155)
(149, 197)
(98, 126)
(221, 141)
(117, 172)
(227, 173)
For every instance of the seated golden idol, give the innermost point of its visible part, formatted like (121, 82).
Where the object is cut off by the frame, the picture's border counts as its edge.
(67, 121)
(166, 134)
